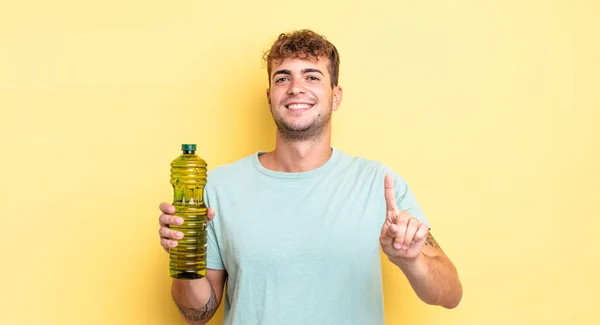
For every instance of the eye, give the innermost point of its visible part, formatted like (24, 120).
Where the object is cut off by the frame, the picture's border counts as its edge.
(313, 78)
(282, 79)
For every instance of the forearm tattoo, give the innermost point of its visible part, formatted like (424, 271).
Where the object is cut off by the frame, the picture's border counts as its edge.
(431, 241)
(202, 313)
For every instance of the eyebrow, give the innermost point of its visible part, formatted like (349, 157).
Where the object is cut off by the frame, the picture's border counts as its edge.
(288, 72)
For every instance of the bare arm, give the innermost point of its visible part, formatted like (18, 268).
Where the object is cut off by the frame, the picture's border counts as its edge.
(432, 275)
(198, 300)
(408, 243)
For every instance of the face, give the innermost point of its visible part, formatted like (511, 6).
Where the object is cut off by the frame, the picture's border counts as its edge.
(301, 98)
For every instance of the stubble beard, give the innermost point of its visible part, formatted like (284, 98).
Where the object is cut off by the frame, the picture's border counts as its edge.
(311, 131)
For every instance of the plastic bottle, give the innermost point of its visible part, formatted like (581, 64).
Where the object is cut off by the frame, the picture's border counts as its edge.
(188, 178)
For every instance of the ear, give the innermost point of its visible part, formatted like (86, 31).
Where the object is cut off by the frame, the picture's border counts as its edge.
(337, 97)
(269, 97)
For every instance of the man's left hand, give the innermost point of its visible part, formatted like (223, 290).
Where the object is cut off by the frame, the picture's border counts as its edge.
(402, 236)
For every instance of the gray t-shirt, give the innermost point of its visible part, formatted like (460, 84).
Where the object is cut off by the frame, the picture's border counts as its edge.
(301, 248)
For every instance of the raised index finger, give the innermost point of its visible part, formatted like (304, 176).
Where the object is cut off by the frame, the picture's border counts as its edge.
(390, 195)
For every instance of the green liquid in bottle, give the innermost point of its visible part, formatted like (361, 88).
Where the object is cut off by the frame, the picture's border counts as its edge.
(188, 177)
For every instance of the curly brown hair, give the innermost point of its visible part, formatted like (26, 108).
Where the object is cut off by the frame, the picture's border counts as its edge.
(303, 44)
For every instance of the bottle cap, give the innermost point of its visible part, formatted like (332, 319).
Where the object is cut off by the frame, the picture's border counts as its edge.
(188, 147)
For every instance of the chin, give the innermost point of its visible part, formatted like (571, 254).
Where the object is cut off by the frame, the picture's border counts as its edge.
(297, 128)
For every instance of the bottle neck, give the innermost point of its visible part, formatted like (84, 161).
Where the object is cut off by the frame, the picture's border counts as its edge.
(189, 152)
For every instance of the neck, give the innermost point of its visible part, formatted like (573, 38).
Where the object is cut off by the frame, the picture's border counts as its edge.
(298, 156)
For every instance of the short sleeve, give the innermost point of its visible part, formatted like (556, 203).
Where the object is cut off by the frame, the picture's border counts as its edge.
(407, 201)
(213, 253)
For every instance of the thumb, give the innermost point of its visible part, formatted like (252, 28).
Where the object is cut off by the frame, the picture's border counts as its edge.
(390, 194)
(210, 214)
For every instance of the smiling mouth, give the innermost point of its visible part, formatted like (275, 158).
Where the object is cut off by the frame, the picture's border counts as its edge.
(299, 106)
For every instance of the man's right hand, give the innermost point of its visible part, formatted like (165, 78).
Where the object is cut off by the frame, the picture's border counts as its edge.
(169, 237)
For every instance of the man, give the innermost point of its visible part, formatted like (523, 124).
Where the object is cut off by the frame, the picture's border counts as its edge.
(296, 232)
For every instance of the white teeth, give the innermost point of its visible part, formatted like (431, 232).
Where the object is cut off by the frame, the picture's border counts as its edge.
(298, 106)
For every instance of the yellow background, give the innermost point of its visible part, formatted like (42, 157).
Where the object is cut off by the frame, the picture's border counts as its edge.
(488, 108)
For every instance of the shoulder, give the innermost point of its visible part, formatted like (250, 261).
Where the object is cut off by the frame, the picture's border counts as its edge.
(367, 166)
(371, 173)
(229, 172)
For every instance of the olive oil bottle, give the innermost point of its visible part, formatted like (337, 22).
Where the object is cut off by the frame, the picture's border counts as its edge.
(188, 178)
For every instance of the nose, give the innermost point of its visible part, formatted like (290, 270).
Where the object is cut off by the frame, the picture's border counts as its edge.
(296, 87)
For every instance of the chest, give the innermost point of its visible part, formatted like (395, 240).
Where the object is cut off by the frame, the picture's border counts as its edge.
(298, 225)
